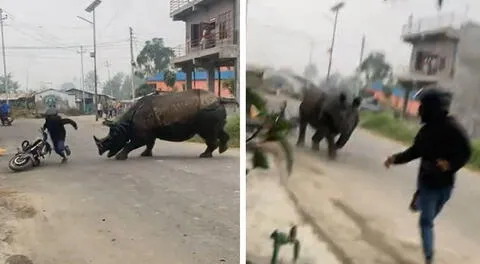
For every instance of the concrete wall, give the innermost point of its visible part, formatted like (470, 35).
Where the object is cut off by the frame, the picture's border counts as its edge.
(54, 98)
(204, 15)
(466, 87)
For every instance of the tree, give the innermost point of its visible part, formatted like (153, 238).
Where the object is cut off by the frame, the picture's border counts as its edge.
(268, 128)
(144, 89)
(113, 86)
(153, 58)
(90, 81)
(67, 85)
(375, 67)
(126, 88)
(13, 86)
(169, 77)
(311, 71)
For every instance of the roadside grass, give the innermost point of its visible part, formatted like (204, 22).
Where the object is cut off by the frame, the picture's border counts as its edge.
(233, 130)
(404, 132)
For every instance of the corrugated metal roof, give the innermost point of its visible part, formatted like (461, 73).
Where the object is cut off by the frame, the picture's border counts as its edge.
(14, 96)
(198, 75)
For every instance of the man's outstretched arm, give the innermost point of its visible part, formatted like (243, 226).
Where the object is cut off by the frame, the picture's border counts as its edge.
(70, 122)
(413, 152)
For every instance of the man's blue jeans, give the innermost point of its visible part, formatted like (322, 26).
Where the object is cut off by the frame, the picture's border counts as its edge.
(430, 203)
(59, 147)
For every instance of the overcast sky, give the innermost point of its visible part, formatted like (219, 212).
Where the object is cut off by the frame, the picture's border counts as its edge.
(381, 22)
(50, 23)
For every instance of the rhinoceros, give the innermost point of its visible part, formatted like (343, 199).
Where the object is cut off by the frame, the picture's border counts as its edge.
(173, 117)
(330, 114)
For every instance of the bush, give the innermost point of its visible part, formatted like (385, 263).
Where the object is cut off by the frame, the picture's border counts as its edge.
(73, 112)
(233, 130)
(17, 112)
(386, 125)
(475, 159)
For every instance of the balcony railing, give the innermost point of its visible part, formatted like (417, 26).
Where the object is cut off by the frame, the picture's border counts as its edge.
(452, 20)
(179, 5)
(218, 38)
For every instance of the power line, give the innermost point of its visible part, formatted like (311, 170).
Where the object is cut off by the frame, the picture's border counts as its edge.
(104, 44)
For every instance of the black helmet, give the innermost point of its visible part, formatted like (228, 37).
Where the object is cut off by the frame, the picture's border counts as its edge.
(435, 97)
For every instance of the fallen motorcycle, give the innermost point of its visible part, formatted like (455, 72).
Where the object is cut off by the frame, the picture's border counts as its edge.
(29, 154)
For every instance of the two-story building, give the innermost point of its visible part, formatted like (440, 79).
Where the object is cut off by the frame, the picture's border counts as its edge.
(445, 51)
(211, 38)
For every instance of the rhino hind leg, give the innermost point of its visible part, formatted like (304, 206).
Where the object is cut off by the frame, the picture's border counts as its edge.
(223, 139)
(211, 137)
(316, 138)
(148, 150)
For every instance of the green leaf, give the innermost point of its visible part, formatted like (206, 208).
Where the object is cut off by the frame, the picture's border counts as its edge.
(260, 160)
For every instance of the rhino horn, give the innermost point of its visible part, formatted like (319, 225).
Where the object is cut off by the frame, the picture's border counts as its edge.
(99, 143)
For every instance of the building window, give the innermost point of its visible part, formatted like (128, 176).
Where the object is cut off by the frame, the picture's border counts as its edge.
(429, 63)
(224, 25)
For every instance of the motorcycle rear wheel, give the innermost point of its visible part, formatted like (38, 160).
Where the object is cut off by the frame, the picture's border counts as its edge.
(20, 163)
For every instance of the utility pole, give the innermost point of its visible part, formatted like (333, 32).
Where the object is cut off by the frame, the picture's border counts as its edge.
(362, 50)
(91, 9)
(107, 64)
(83, 78)
(132, 63)
(5, 77)
(335, 9)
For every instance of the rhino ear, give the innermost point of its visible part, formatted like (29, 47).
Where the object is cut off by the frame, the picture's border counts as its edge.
(342, 97)
(356, 102)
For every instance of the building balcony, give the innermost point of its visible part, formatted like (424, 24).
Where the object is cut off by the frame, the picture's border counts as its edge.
(407, 77)
(217, 46)
(442, 26)
(179, 9)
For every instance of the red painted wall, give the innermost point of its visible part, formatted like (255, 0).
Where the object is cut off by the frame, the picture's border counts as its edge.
(397, 103)
(161, 86)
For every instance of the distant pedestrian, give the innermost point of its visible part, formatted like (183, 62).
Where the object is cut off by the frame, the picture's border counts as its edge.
(99, 109)
(443, 148)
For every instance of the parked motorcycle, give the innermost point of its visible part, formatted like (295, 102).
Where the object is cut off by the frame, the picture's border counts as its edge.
(29, 154)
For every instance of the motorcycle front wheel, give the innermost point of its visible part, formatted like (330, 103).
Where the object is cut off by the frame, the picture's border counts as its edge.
(20, 162)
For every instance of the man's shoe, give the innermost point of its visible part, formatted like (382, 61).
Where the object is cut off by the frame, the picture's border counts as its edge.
(64, 160)
(67, 151)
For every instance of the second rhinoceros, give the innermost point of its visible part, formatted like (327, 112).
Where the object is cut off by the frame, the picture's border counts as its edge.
(172, 117)
(330, 114)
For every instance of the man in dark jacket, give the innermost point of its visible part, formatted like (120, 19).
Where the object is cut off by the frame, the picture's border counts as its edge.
(55, 125)
(444, 148)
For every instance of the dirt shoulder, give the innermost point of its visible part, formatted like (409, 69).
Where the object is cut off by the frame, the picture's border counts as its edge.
(16, 214)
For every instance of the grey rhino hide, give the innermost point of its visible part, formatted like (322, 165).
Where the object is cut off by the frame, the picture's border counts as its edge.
(350, 121)
(333, 109)
(151, 112)
(116, 139)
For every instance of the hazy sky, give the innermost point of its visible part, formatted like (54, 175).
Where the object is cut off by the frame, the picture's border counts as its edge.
(53, 23)
(381, 22)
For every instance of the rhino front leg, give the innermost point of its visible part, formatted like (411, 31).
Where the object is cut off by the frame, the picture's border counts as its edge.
(148, 150)
(301, 133)
(132, 145)
(332, 148)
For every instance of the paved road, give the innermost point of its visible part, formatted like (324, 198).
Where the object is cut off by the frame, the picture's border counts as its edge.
(171, 208)
(382, 196)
